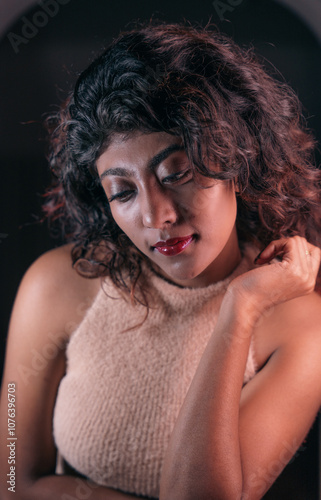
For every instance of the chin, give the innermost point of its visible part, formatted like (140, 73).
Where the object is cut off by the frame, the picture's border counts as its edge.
(183, 274)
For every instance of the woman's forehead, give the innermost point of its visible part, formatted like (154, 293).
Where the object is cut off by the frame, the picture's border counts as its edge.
(139, 149)
(143, 143)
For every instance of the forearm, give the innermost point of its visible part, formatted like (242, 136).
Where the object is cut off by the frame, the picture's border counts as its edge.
(65, 487)
(203, 459)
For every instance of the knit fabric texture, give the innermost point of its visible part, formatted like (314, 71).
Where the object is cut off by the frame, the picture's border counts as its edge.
(118, 402)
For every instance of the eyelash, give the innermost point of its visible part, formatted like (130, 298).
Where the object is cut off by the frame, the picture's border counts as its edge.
(124, 196)
(121, 197)
(178, 176)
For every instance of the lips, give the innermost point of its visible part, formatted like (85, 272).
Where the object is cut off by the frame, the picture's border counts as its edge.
(173, 246)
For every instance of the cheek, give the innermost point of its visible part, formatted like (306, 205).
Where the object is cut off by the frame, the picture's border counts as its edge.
(217, 206)
(118, 216)
(126, 219)
(230, 205)
(227, 211)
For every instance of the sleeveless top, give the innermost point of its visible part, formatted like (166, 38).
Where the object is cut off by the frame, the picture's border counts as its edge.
(127, 378)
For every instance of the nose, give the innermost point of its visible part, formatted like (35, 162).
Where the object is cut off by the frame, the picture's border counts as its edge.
(158, 208)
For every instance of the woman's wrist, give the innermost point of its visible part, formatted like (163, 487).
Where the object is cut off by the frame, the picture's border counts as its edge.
(242, 307)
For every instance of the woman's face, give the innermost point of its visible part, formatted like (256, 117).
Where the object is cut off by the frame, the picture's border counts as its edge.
(185, 225)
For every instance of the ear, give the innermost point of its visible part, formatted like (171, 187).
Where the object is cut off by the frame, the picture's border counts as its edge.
(236, 186)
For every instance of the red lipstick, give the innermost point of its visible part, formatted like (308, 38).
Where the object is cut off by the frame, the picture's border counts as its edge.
(173, 246)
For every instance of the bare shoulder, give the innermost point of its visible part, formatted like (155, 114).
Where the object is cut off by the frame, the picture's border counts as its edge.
(296, 322)
(51, 301)
(54, 268)
(52, 288)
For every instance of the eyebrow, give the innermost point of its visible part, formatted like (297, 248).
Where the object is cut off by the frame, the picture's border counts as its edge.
(153, 162)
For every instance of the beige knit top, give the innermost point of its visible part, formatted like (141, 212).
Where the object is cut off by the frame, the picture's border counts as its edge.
(119, 400)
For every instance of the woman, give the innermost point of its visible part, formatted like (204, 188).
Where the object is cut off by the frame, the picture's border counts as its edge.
(187, 367)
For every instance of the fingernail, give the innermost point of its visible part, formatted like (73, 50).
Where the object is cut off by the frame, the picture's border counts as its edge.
(257, 258)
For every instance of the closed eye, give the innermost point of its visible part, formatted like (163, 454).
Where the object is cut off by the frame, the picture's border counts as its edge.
(121, 196)
(177, 178)
(185, 175)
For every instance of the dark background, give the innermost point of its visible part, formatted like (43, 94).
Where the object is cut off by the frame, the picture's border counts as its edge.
(36, 75)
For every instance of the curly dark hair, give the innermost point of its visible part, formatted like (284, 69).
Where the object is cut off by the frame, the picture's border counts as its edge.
(195, 83)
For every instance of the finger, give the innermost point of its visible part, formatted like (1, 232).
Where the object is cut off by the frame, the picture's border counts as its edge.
(274, 248)
(292, 249)
(305, 260)
(309, 256)
(305, 256)
(313, 256)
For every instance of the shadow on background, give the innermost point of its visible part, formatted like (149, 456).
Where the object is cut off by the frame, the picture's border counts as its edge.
(41, 58)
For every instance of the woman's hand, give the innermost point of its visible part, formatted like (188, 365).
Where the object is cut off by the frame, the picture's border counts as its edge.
(292, 271)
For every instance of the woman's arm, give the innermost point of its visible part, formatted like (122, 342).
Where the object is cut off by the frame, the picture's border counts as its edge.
(69, 488)
(231, 443)
(51, 301)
